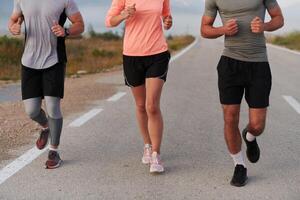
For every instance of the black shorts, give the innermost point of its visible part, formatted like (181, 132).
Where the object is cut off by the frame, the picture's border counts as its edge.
(43, 82)
(238, 77)
(138, 68)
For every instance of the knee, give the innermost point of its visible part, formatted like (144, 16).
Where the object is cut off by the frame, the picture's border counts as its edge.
(256, 128)
(32, 112)
(141, 108)
(152, 109)
(54, 111)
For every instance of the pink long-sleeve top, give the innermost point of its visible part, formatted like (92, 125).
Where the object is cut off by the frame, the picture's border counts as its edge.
(143, 32)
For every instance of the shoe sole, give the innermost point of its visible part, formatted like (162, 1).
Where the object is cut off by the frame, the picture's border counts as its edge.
(155, 171)
(240, 185)
(54, 167)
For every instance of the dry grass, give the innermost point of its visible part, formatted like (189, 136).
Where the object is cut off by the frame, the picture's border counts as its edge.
(93, 55)
(291, 40)
(178, 42)
(10, 53)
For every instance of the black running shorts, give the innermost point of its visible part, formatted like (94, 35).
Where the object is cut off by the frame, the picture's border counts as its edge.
(43, 82)
(138, 68)
(237, 77)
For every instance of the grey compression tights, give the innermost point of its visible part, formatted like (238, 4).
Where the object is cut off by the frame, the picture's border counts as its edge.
(54, 120)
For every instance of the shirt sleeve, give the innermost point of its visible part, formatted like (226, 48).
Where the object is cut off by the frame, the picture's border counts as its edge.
(166, 8)
(116, 8)
(71, 8)
(270, 3)
(211, 8)
(17, 7)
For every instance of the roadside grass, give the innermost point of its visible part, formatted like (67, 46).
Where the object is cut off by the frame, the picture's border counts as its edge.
(290, 40)
(97, 53)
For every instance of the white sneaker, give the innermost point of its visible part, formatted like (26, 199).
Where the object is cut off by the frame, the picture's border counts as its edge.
(156, 164)
(146, 159)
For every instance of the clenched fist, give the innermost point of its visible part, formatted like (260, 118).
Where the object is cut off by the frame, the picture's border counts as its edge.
(257, 25)
(128, 12)
(168, 21)
(231, 27)
(58, 30)
(15, 29)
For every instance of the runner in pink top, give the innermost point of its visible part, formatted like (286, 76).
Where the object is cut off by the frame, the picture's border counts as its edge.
(143, 33)
(145, 62)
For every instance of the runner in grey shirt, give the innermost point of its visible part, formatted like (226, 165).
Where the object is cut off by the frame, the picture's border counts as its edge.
(243, 70)
(43, 63)
(42, 47)
(245, 45)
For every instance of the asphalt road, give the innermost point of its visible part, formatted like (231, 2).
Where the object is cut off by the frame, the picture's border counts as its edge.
(102, 156)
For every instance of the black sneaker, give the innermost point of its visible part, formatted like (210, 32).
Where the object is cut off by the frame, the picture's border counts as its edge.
(253, 152)
(53, 161)
(239, 178)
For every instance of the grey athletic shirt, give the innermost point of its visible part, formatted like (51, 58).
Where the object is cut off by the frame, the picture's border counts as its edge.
(42, 48)
(245, 46)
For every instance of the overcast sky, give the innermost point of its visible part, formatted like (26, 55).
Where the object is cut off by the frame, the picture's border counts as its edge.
(186, 13)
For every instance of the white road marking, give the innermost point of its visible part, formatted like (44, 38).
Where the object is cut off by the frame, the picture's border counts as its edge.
(182, 52)
(293, 102)
(86, 117)
(19, 163)
(33, 153)
(283, 49)
(117, 96)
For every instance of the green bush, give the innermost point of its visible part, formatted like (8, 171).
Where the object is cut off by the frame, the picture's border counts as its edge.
(109, 35)
(291, 40)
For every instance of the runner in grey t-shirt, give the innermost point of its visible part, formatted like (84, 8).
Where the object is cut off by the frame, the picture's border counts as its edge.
(243, 70)
(42, 47)
(245, 45)
(43, 63)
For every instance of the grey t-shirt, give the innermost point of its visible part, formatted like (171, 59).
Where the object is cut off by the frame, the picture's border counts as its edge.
(42, 48)
(245, 45)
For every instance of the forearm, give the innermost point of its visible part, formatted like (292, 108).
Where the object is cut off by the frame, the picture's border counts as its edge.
(76, 28)
(274, 24)
(116, 20)
(208, 31)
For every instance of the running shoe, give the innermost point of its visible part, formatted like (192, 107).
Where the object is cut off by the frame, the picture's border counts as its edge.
(253, 151)
(43, 139)
(156, 165)
(239, 178)
(146, 159)
(53, 161)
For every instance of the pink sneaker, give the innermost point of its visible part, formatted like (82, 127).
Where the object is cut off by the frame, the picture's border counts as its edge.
(156, 164)
(146, 159)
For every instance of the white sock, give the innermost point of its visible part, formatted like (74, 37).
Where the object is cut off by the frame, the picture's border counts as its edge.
(238, 159)
(45, 128)
(53, 149)
(147, 146)
(250, 137)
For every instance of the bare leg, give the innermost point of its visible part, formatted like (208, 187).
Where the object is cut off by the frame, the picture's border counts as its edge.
(231, 128)
(155, 121)
(139, 94)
